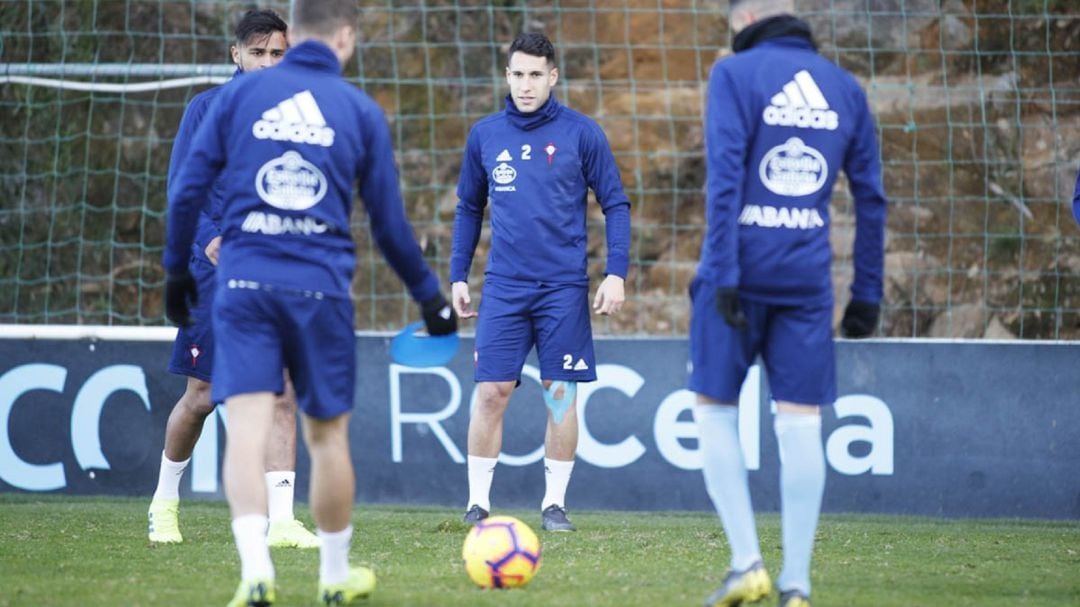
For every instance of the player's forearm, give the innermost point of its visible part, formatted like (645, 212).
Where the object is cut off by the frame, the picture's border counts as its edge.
(870, 211)
(398, 245)
(617, 230)
(468, 222)
(869, 253)
(205, 231)
(180, 232)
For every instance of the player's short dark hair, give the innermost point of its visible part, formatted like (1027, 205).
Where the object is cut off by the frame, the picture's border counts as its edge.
(257, 24)
(324, 16)
(534, 44)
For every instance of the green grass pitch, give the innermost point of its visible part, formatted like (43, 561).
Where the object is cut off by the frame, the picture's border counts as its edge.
(93, 551)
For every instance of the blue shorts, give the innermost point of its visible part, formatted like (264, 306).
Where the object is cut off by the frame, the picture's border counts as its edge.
(193, 350)
(795, 342)
(516, 316)
(260, 332)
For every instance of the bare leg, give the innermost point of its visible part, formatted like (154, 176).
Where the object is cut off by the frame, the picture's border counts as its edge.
(561, 440)
(485, 441)
(281, 449)
(186, 420)
(333, 484)
(486, 421)
(560, 446)
(249, 419)
(181, 433)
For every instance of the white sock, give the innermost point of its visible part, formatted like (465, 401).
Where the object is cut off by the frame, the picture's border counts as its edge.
(334, 555)
(726, 480)
(250, 533)
(802, 483)
(557, 477)
(168, 480)
(280, 486)
(481, 473)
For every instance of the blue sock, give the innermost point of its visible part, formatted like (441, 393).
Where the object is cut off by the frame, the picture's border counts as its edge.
(802, 482)
(726, 482)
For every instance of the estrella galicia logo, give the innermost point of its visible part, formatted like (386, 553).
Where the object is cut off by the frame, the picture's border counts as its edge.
(793, 169)
(503, 174)
(291, 183)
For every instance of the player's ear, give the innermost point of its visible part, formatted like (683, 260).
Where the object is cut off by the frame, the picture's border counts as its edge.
(345, 42)
(740, 19)
(553, 76)
(234, 51)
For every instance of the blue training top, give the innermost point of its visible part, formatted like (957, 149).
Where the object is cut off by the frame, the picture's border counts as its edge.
(289, 142)
(210, 217)
(536, 168)
(780, 122)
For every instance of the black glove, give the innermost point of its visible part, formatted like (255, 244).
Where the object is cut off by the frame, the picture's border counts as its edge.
(179, 290)
(439, 317)
(860, 319)
(727, 302)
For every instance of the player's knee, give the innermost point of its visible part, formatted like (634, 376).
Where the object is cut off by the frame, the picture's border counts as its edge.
(197, 397)
(326, 434)
(492, 397)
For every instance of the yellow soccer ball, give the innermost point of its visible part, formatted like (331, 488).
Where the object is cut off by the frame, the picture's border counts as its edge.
(501, 552)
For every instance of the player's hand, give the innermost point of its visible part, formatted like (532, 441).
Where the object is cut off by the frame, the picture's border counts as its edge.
(181, 293)
(439, 317)
(459, 292)
(727, 303)
(213, 250)
(860, 319)
(610, 296)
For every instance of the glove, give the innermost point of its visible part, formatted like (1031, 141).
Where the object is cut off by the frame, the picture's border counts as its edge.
(439, 317)
(727, 302)
(179, 290)
(860, 319)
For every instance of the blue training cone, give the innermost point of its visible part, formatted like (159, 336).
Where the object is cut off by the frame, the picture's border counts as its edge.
(413, 349)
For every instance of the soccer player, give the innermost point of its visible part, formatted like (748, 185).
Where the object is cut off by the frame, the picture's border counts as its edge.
(780, 122)
(259, 43)
(535, 161)
(288, 144)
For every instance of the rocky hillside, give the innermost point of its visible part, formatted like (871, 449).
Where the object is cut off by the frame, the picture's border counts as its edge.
(978, 105)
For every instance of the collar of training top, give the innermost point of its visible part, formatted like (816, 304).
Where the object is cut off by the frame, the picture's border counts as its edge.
(313, 54)
(529, 121)
(774, 27)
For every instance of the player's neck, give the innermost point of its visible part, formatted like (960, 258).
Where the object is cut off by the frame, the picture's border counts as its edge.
(528, 121)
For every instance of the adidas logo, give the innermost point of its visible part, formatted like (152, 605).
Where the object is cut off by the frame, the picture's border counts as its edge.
(581, 365)
(283, 483)
(504, 156)
(802, 105)
(297, 119)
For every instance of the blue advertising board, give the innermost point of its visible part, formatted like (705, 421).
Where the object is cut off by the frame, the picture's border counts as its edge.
(938, 428)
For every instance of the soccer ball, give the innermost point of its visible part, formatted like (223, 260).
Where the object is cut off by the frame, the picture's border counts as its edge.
(501, 552)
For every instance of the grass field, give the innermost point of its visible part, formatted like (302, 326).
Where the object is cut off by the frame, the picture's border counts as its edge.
(93, 551)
